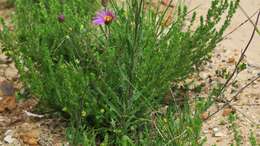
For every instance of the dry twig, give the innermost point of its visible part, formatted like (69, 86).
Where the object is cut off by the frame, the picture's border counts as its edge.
(228, 102)
(240, 59)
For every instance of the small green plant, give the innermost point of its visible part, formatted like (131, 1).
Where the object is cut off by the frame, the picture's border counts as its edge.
(107, 72)
(252, 139)
(181, 129)
(237, 136)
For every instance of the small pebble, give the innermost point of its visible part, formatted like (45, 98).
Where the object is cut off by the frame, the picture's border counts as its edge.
(9, 139)
(215, 129)
(218, 134)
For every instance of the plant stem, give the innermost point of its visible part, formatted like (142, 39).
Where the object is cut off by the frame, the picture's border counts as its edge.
(241, 58)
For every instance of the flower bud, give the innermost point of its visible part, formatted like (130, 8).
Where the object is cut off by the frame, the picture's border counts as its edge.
(61, 18)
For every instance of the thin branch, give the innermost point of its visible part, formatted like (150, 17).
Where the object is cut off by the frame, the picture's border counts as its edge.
(240, 58)
(234, 97)
(248, 104)
(244, 12)
(243, 88)
(240, 25)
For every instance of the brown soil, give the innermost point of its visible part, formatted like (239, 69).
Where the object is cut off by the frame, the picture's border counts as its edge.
(18, 125)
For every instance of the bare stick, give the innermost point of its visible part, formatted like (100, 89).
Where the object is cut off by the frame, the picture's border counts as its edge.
(248, 104)
(234, 97)
(244, 12)
(240, 25)
(240, 58)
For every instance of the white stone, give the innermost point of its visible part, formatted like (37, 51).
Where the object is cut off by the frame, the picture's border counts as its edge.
(218, 134)
(9, 139)
(33, 115)
(215, 129)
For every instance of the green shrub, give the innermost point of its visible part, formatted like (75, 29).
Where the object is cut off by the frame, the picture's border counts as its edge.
(108, 79)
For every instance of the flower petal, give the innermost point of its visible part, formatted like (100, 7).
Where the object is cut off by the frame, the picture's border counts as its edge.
(101, 17)
(98, 21)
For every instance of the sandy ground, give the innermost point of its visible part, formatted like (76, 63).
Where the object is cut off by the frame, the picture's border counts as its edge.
(248, 104)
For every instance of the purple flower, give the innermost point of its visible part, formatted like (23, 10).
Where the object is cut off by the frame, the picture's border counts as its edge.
(61, 18)
(104, 17)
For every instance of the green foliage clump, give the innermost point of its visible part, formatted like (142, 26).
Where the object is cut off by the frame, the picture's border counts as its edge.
(109, 79)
